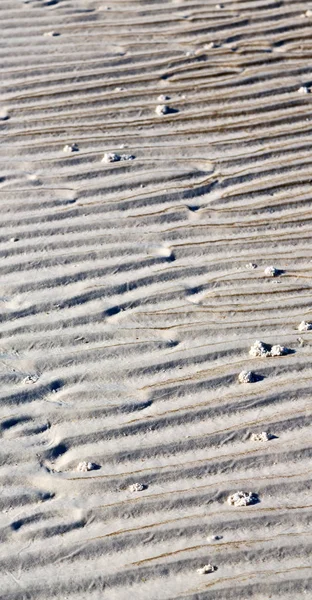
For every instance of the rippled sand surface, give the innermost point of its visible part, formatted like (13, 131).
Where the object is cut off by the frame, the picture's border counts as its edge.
(132, 289)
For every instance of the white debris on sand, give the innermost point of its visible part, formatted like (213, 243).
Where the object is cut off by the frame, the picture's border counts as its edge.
(4, 115)
(278, 350)
(214, 538)
(271, 271)
(265, 350)
(51, 33)
(260, 349)
(308, 13)
(31, 379)
(137, 487)
(304, 90)
(243, 499)
(206, 569)
(111, 157)
(162, 109)
(85, 466)
(163, 98)
(304, 326)
(71, 148)
(246, 377)
(264, 436)
(251, 266)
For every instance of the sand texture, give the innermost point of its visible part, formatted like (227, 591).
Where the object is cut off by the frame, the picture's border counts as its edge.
(156, 226)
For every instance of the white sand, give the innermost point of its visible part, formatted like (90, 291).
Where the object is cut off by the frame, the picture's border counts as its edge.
(132, 291)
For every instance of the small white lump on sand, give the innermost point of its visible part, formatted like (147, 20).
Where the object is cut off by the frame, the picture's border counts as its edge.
(243, 499)
(85, 466)
(206, 569)
(127, 157)
(162, 109)
(304, 326)
(246, 377)
(251, 266)
(4, 115)
(71, 148)
(259, 349)
(111, 157)
(304, 90)
(278, 350)
(137, 487)
(271, 271)
(51, 33)
(265, 350)
(163, 98)
(31, 379)
(264, 436)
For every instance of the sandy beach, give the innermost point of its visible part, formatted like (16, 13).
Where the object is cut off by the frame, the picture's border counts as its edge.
(156, 309)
